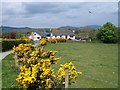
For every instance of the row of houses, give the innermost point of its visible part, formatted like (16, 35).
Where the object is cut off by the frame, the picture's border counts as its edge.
(66, 34)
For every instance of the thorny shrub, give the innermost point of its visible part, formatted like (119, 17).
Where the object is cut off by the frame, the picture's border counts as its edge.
(36, 70)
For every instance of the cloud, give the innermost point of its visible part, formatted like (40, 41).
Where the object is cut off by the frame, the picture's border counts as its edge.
(54, 14)
(49, 7)
(60, 0)
(35, 8)
(57, 8)
(10, 8)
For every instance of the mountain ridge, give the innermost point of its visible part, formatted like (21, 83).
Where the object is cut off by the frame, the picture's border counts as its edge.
(87, 26)
(13, 28)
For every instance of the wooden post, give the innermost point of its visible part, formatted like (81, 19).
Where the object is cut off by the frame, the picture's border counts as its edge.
(66, 78)
(16, 64)
(33, 36)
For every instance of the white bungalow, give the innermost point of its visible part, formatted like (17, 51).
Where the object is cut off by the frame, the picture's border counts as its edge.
(67, 34)
(36, 36)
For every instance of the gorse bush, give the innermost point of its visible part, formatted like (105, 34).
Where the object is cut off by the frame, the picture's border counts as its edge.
(29, 54)
(55, 40)
(61, 40)
(72, 73)
(26, 39)
(43, 41)
(36, 70)
(52, 40)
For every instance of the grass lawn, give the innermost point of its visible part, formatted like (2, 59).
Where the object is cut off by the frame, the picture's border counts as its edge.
(97, 61)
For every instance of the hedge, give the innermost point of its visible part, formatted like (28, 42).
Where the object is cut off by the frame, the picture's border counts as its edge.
(9, 44)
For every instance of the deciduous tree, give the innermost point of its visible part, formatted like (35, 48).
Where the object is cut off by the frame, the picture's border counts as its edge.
(108, 33)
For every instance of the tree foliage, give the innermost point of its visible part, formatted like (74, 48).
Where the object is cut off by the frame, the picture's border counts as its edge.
(4, 35)
(108, 33)
(11, 35)
(18, 35)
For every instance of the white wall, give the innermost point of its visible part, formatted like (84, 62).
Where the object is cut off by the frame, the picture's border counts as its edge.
(73, 38)
(58, 37)
(68, 37)
(30, 37)
(53, 36)
(48, 37)
(35, 36)
(63, 36)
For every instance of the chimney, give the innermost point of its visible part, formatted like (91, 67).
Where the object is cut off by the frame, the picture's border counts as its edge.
(74, 31)
(50, 29)
(51, 32)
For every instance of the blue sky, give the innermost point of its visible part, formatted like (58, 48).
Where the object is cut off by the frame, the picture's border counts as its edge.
(56, 14)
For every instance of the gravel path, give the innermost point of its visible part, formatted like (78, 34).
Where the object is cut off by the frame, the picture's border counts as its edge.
(4, 54)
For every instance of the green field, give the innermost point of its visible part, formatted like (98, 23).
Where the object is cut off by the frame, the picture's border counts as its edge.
(97, 61)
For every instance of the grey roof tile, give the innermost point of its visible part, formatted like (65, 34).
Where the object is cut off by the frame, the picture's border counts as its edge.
(63, 32)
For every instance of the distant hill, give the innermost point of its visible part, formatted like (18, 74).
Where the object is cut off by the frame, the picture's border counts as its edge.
(8, 27)
(68, 27)
(92, 26)
(88, 26)
(13, 29)
(16, 29)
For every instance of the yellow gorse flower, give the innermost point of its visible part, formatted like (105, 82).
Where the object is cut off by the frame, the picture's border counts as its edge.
(43, 41)
(73, 74)
(35, 68)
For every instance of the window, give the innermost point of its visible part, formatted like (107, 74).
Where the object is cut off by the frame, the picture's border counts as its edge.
(66, 36)
(71, 36)
(48, 35)
(38, 37)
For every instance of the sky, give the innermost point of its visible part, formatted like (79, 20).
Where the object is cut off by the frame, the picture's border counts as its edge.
(57, 14)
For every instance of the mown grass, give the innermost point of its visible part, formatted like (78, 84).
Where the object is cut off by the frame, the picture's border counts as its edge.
(97, 61)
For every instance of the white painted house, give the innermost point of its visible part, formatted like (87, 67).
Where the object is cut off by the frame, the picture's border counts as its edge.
(35, 36)
(67, 34)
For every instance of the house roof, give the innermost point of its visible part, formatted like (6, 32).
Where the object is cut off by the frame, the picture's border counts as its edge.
(63, 32)
(42, 34)
(27, 35)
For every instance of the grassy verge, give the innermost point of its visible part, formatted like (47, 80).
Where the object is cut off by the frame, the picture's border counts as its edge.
(9, 72)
